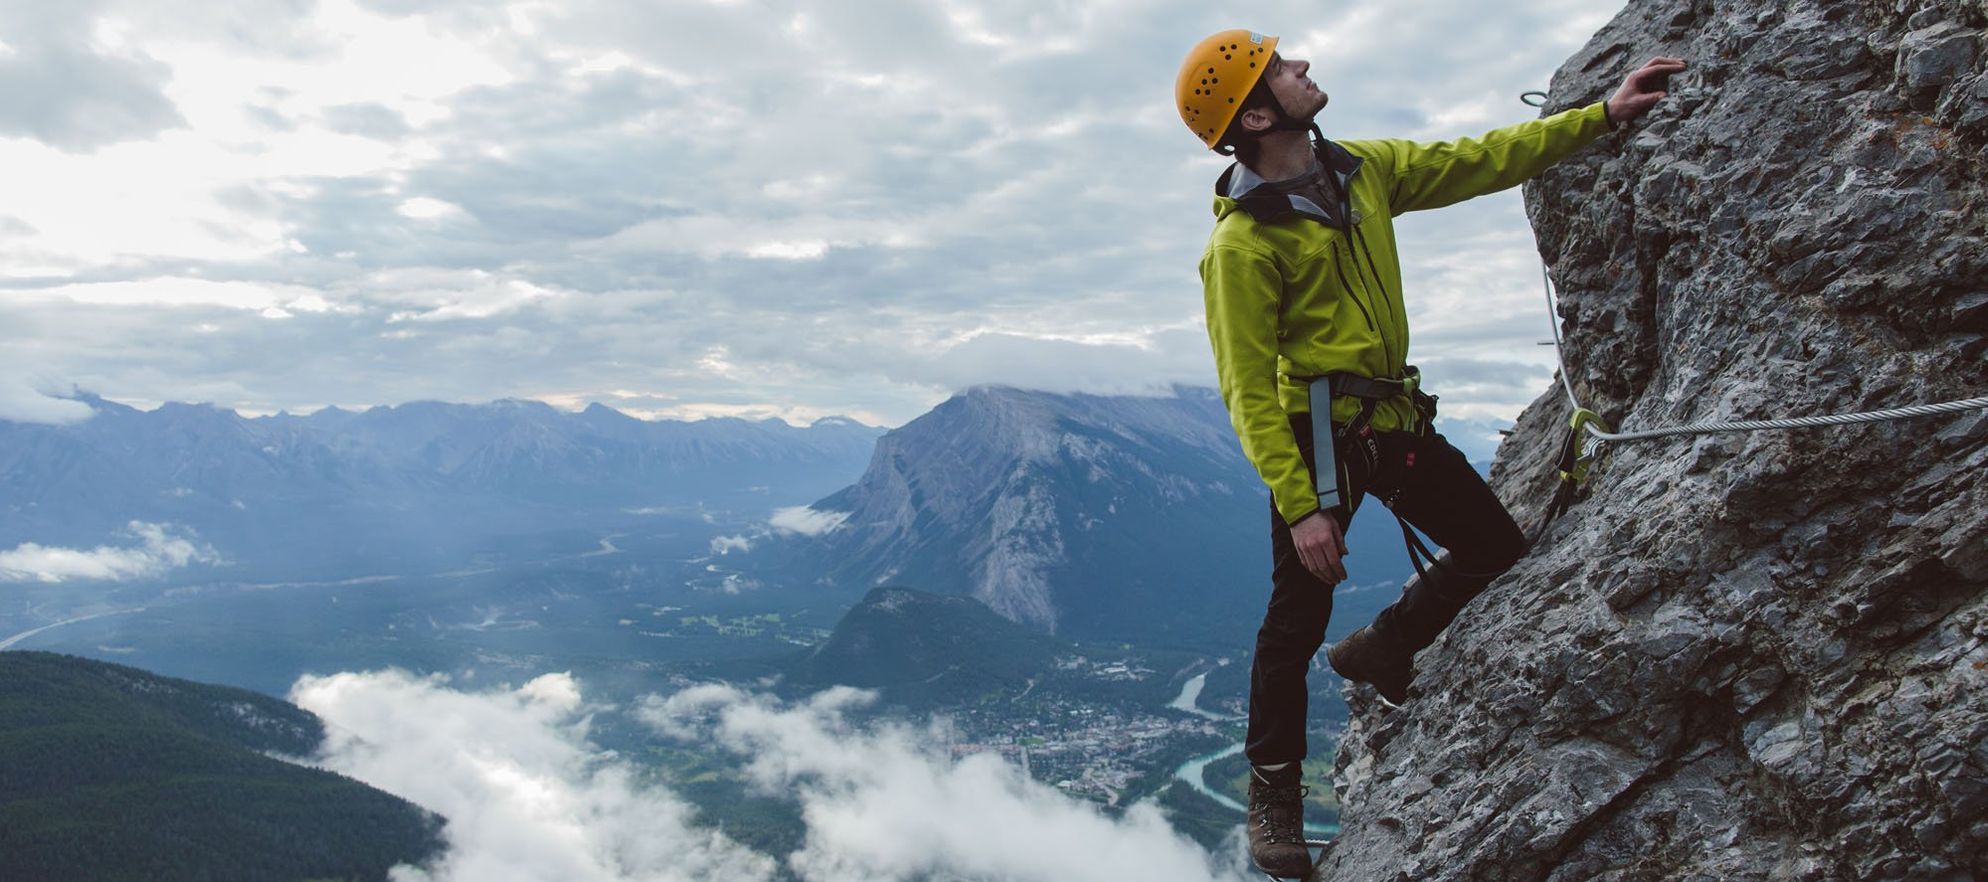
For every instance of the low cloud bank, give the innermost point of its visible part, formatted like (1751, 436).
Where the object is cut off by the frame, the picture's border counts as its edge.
(728, 544)
(887, 805)
(806, 521)
(528, 797)
(23, 403)
(161, 548)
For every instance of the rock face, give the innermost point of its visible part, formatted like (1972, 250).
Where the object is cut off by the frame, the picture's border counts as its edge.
(1759, 656)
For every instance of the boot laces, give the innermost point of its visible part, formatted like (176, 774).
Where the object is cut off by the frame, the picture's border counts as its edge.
(1282, 818)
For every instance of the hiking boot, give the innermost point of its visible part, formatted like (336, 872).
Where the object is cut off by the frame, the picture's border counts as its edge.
(1277, 822)
(1365, 656)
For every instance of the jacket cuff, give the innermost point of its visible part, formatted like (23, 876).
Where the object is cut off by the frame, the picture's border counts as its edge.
(1298, 511)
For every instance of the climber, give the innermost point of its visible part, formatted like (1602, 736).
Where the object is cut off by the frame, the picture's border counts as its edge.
(1304, 305)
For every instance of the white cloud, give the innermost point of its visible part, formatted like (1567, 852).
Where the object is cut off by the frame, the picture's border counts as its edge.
(806, 521)
(429, 208)
(22, 403)
(178, 291)
(162, 547)
(1137, 363)
(808, 249)
(886, 804)
(729, 544)
(528, 798)
(430, 295)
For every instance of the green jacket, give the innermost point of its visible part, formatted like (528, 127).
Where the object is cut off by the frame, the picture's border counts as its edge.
(1297, 295)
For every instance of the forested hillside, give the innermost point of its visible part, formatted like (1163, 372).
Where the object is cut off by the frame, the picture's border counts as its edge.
(110, 773)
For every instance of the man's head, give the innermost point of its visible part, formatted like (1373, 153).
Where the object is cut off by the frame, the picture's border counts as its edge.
(1285, 95)
(1234, 88)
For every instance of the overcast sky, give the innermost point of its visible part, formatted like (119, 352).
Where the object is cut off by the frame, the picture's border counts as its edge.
(692, 207)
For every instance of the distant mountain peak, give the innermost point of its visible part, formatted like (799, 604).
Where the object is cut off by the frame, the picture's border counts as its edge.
(530, 405)
(1013, 497)
(836, 422)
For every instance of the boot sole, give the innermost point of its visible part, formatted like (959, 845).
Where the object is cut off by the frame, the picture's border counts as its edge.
(1353, 674)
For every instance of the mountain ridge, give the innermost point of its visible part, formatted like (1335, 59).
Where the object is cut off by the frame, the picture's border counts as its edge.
(445, 470)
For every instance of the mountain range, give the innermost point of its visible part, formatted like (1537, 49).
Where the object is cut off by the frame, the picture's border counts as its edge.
(1094, 518)
(339, 484)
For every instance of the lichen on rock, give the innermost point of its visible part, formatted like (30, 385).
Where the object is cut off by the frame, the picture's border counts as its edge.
(1737, 657)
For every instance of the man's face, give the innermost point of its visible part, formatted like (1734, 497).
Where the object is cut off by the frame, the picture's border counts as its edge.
(1300, 97)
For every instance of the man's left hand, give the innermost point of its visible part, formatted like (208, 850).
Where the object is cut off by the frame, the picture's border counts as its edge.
(1643, 89)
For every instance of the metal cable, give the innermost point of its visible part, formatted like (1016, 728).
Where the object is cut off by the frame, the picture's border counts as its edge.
(1841, 419)
(1553, 319)
(1721, 426)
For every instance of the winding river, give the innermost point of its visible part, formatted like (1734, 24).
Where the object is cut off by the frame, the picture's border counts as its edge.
(9, 642)
(1191, 772)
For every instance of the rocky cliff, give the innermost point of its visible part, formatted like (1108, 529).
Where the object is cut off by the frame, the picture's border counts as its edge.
(1759, 656)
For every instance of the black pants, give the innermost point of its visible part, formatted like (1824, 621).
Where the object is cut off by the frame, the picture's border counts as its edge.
(1434, 488)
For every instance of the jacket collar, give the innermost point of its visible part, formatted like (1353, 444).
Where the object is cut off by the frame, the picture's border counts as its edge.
(1268, 203)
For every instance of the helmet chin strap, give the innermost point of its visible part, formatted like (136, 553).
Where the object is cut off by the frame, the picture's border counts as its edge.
(1288, 123)
(1285, 122)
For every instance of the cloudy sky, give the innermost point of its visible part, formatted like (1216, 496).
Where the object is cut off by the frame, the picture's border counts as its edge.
(691, 207)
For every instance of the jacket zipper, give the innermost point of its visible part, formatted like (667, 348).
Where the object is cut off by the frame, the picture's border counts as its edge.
(1351, 292)
(1375, 269)
(1345, 193)
(1386, 351)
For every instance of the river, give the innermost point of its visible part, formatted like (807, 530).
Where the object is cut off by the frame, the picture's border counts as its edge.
(1190, 693)
(1191, 772)
(9, 642)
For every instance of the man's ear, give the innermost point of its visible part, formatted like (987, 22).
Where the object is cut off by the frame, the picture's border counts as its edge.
(1256, 119)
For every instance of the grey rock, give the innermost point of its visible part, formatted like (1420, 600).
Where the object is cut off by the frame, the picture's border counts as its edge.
(1937, 55)
(1755, 656)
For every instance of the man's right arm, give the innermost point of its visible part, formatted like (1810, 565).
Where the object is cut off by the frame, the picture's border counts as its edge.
(1242, 289)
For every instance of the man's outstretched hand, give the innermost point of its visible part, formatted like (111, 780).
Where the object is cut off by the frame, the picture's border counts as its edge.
(1320, 546)
(1643, 89)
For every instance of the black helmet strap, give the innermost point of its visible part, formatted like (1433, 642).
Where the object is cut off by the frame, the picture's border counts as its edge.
(1260, 95)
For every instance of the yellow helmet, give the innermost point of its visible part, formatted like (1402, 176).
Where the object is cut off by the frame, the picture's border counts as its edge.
(1216, 77)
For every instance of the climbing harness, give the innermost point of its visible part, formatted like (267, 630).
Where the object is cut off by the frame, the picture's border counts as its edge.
(1577, 456)
(1332, 482)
